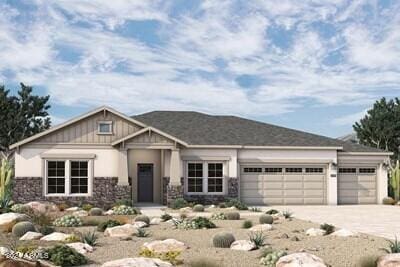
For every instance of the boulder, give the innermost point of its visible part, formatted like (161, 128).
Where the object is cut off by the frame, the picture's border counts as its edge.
(261, 228)
(109, 212)
(232, 208)
(315, 232)
(80, 213)
(56, 236)
(139, 224)
(81, 247)
(121, 231)
(42, 207)
(213, 206)
(344, 233)
(389, 260)
(8, 220)
(73, 209)
(136, 262)
(245, 245)
(166, 245)
(300, 260)
(4, 250)
(31, 236)
(155, 221)
(185, 209)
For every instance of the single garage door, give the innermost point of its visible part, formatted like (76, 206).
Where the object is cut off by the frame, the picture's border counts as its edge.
(287, 185)
(357, 185)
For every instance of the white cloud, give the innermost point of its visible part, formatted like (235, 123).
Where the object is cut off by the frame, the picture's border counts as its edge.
(349, 119)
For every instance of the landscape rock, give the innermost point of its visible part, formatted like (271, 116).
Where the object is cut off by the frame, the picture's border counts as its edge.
(261, 228)
(232, 208)
(109, 212)
(80, 213)
(31, 236)
(139, 224)
(389, 260)
(42, 207)
(284, 236)
(8, 220)
(294, 238)
(56, 236)
(136, 262)
(4, 250)
(185, 209)
(213, 207)
(155, 221)
(121, 231)
(344, 233)
(166, 245)
(72, 209)
(81, 247)
(315, 232)
(300, 260)
(245, 245)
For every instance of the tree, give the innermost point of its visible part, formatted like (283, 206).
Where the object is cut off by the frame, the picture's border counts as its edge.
(380, 128)
(21, 116)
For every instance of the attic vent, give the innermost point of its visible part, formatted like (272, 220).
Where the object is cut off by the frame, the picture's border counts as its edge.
(104, 127)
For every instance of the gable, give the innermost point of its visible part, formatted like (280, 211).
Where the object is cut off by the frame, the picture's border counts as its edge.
(149, 138)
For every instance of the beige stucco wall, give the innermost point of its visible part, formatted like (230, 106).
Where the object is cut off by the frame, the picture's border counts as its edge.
(298, 154)
(153, 156)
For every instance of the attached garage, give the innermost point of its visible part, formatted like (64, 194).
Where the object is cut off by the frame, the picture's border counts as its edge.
(357, 185)
(283, 185)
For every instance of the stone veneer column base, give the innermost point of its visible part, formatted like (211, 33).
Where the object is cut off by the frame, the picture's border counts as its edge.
(106, 192)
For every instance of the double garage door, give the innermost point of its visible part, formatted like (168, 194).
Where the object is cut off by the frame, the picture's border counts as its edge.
(286, 185)
(357, 185)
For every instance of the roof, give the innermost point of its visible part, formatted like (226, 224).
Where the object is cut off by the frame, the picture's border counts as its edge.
(196, 128)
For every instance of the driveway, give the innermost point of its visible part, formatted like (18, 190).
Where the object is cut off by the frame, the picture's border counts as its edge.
(379, 220)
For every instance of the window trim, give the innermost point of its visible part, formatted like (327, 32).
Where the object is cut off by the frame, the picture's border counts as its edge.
(187, 178)
(205, 178)
(67, 170)
(110, 123)
(221, 178)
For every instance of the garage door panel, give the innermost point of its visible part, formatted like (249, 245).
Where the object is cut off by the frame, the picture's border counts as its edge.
(367, 185)
(294, 201)
(367, 200)
(313, 201)
(313, 178)
(293, 185)
(348, 186)
(367, 193)
(293, 193)
(314, 185)
(293, 178)
(252, 192)
(272, 185)
(251, 185)
(349, 178)
(273, 178)
(349, 193)
(273, 193)
(367, 178)
(313, 193)
(357, 188)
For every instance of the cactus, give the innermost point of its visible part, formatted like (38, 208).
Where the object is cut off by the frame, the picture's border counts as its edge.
(124, 210)
(96, 212)
(198, 208)
(395, 180)
(266, 219)
(68, 221)
(143, 218)
(233, 215)
(5, 184)
(223, 240)
(21, 228)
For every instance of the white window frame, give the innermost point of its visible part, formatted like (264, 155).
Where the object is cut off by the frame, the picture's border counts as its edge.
(205, 178)
(67, 176)
(110, 123)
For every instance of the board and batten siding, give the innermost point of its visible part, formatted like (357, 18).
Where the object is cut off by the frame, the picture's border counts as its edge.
(149, 138)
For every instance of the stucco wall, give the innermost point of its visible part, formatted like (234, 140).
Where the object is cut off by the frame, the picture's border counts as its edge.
(266, 154)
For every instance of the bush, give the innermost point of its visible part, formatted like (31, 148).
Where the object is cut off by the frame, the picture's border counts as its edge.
(68, 221)
(386, 201)
(170, 256)
(247, 224)
(232, 215)
(39, 218)
(166, 217)
(255, 209)
(141, 232)
(287, 214)
(179, 203)
(62, 206)
(202, 223)
(96, 212)
(124, 202)
(45, 229)
(257, 238)
(218, 216)
(266, 219)
(222, 205)
(124, 210)
(394, 246)
(271, 257)
(63, 255)
(21, 208)
(271, 212)
(328, 228)
(223, 240)
(87, 207)
(233, 202)
(21, 228)
(73, 238)
(107, 224)
(90, 238)
(143, 218)
(198, 208)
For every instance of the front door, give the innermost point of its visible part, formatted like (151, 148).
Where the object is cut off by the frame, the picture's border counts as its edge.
(145, 182)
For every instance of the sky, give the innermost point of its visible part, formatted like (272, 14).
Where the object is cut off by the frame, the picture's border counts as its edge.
(316, 66)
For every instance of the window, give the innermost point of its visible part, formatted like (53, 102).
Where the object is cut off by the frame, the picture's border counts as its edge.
(314, 170)
(56, 177)
(215, 177)
(366, 170)
(347, 170)
(79, 177)
(294, 170)
(252, 170)
(273, 170)
(195, 177)
(104, 127)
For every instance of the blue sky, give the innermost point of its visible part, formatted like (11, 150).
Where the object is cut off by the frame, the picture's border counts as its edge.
(310, 65)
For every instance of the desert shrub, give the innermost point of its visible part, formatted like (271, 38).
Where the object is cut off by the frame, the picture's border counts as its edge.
(124, 210)
(255, 209)
(367, 261)
(218, 216)
(394, 246)
(62, 206)
(123, 202)
(271, 212)
(170, 256)
(287, 214)
(141, 232)
(203, 263)
(247, 224)
(198, 208)
(233, 202)
(39, 218)
(232, 215)
(223, 240)
(21, 208)
(95, 212)
(143, 218)
(87, 207)
(222, 205)
(266, 219)
(183, 215)
(107, 224)
(388, 201)
(45, 229)
(202, 223)
(257, 238)
(63, 255)
(179, 203)
(21, 228)
(27, 248)
(74, 238)
(271, 257)
(328, 228)
(90, 238)
(68, 221)
(166, 217)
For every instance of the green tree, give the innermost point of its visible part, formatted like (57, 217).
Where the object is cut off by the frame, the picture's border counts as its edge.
(381, 126)
(21, 116)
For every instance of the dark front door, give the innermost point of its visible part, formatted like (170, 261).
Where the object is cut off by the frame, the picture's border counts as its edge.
(145, 182)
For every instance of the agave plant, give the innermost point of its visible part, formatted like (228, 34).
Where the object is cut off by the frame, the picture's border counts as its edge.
(5, 184)
(395, 180)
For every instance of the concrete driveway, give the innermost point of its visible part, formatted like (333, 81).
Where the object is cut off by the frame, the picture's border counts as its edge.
(379, 220)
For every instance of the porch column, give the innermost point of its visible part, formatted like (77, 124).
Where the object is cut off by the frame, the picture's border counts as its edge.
(123, 167)
(382, 188)
(332, 184)
(175, 168)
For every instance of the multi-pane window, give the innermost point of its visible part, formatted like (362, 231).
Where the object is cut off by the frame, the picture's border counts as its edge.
(104, 127)
(215, 177)
(273, 170)
(195, 177)
(56, 177)
(79, 177)
(293, 170)
(252, 170)
(366, 170)
(347, 170)
(314, 170)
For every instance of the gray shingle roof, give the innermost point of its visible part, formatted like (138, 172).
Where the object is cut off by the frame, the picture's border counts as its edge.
(202, 129)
